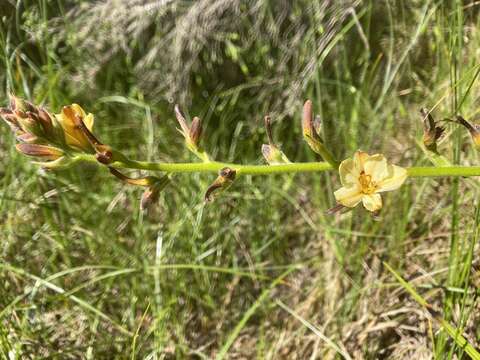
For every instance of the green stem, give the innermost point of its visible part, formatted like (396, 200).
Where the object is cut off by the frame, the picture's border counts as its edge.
(215, 166)
(431, 171)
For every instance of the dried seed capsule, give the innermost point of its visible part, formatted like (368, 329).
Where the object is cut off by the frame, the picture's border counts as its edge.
(224, 180)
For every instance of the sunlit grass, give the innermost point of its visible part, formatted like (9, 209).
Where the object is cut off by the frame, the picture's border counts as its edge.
(262, 271)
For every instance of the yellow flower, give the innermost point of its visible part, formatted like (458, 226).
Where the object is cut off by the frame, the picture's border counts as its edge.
(364, 177)
(74, 136)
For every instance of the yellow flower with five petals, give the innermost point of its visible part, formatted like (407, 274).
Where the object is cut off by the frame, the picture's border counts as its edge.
(366, 176)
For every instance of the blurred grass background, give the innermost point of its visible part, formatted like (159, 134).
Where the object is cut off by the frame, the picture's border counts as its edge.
(85, 275)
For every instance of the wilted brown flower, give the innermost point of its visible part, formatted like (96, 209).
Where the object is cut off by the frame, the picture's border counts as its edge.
(224, 180)
(473, 129)
(431, 132)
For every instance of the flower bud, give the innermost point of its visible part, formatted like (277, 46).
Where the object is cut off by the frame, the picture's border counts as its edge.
(195, 131)
(27, 138)
(473, 129)
(309, 131)
(41, 151)
(192, 133)
(20, 105)
(29, 121)
(10, 118)
(272, 154)
(181, 121)
(431, 132)
(307, 121)
(224, 180)
(311, 135)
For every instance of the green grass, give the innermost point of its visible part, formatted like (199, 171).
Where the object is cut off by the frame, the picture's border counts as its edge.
(262, 272)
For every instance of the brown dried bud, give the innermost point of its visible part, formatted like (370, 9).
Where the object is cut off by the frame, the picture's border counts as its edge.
(431, 132)
(473, 129)
(224, 180)
(150, 195)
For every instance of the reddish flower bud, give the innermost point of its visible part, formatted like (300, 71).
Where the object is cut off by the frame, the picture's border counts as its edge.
(195, 130)
(190, 133)
(310, 129)
(307, 121)
(41, 151)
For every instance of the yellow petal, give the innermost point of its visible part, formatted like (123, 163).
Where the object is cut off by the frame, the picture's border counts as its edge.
(372, 202)
(87, 118)
(74, 137)
(78, 110)
(396, 177)
(88, 121)
(349, 173)
(348, 196)
(359, 159)
(376, 167)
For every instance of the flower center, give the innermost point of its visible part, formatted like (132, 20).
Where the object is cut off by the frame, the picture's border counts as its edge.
(367, 186)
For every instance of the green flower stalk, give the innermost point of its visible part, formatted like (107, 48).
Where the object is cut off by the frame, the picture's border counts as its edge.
(65, 139)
